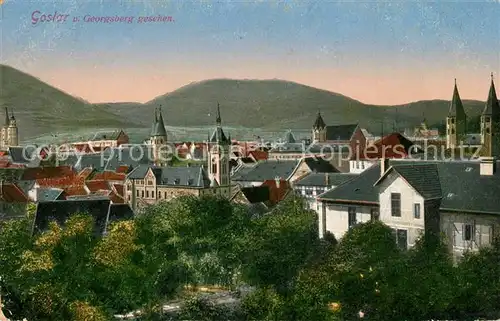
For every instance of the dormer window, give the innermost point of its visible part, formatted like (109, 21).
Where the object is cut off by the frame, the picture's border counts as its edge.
(177, 181)
(452, 120)
(190, 181)
(468, 169)
(487, 119)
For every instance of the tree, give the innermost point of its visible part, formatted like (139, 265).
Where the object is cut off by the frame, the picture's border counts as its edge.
(69, 273)
(206, 232)
(279, 244)
(478, 284)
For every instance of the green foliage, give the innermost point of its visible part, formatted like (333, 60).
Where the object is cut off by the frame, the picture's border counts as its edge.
(202, 309)
(265, 304)
(68, 273)
(279, 244)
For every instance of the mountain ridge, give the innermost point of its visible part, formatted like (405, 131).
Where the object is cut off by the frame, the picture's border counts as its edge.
(267, 104)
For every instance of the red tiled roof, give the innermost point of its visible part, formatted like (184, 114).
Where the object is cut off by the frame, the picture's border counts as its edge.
(47, 172)
(84, 173)
(95, 185)
(110, 176)
(119, 189)
(122, 169)
(75, 190)
(11, 193)
(394, 145)
(117, 199)
(276, 194)
(60, 181)
(258, 155)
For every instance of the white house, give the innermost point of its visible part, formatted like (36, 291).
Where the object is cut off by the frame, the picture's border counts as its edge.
(457, 198)
(354, 201)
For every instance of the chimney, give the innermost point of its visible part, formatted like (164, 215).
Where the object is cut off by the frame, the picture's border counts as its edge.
(384, 166)
(277, 179)
(327, 179)
(487, 166)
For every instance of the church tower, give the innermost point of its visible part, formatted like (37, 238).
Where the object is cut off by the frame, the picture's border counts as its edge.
(219, 148)
(319, 130)
(158, 139)
(4, 135)
(456, 122)
(12, 131)
(490, 124)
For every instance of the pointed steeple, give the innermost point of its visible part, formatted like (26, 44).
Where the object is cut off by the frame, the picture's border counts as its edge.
(158, 125)
(456, 106)
(7, 119)
(218, 135)
(492, 107)
(218, 119)
(319, 123)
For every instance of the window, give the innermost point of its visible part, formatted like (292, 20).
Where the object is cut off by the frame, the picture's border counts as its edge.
(147, 193)
(142, 193)
(159, 194)
(150, 182)
(396, 204)
(487, 130)
(468, 233)
(401, 238)
(487, 119)
(374, 214)
(452, 131)
(137, 192)
(165, 195)
(352, 216)
(416, 210)
(453, 120)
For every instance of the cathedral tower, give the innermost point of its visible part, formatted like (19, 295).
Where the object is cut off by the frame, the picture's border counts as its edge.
(12, 131)
(219, 148)
(490, 124)
(158, 139)
(456, 122)
(319, 130)
(4, 134)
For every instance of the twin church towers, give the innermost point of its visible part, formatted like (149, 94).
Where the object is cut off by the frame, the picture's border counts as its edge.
(456, 123)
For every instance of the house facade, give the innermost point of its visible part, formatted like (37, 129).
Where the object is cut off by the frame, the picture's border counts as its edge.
(147, 185)
(313, 184)
(458, 199)
(339, 135)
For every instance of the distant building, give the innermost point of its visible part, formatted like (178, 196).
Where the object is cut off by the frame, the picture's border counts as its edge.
(158, 140)
(9, 135)
(314, 184)
(392, 146)
(457, 135)
(339, 135)
(101, 140)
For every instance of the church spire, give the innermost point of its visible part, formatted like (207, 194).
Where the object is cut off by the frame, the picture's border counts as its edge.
(158, 128)
(319, 123)
(218, 119)
(492, 107)
(456, 106)
(7, 119)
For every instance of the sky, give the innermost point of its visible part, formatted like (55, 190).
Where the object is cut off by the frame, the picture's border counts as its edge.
(375, 52)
